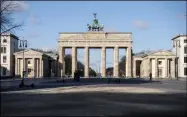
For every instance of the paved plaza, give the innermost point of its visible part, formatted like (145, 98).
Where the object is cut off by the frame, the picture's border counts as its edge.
(94, 97)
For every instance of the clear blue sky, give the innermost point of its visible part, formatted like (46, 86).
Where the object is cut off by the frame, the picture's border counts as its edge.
(152, 24)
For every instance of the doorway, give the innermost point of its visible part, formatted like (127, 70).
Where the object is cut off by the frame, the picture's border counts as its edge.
(160, 73)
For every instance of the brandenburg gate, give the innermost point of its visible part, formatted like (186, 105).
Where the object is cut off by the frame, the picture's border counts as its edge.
(95, 38)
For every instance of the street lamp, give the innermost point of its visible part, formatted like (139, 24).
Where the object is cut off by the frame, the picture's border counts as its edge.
(176, 44)
(23, 46)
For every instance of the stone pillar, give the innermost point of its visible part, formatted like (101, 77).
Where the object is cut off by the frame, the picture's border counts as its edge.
(116, 63)
(156, 67)
(166, 68)
(173, 70)
(74, 60)
(169, 69)
(33, 67)
(134, 68)
(16, 66)
(128, 62)
(61, 54)
(19, 64)
(86, 62)
(37, 69)
(41, 68)
(149, 67)
(103, 62)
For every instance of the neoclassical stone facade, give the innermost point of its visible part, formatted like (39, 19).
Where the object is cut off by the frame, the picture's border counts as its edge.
(160, 63)
(97, 39)
(36, 64)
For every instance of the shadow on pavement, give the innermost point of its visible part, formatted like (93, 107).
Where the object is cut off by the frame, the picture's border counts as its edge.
(93, 104)
(83, 81)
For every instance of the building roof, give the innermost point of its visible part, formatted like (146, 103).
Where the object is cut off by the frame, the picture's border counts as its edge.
(147, 53)
(95, 32)
(180, 35)
(48, 53)
(143, 53)
(53, 55)
(11, 35)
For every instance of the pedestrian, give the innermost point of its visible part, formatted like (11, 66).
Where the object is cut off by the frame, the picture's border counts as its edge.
(150, 76)
(75, 75)
(78, 75)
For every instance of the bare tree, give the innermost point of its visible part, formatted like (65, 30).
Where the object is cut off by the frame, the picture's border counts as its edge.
(8, 23)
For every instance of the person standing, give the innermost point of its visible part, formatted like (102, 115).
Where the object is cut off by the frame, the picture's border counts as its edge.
(150, 76)
(75, 75)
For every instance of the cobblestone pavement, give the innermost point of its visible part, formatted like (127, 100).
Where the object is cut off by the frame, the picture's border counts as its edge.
(97, 98)
(56, 82)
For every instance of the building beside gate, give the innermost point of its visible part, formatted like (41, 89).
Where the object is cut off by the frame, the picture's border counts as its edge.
(160, 63)
(9, 45)
(36, 63)
(180, 50)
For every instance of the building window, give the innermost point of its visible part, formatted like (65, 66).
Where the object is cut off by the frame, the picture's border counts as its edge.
(159, 72)
(4, 71)
(29, 70)
(29, 62)
(185, 50)
(3, 49)
(4, 40)
(185, 59)
(185, 71)
(185, 41)
(4, 59)
(159, 62)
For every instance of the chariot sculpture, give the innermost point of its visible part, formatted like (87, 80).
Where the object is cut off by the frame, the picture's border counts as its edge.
(95, 25)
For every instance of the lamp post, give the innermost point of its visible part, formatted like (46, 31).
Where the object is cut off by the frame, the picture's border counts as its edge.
(177, 45)
(23, 46)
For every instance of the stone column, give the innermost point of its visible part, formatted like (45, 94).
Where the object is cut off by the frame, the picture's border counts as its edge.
(37, 69)
(149, 67)
(166, 67)
(33, 67)
(41, 64)
(103, 62)
(19, 64)
(134, 67)
(128, 62)
(61, 54)
(86, 62)
(43, 67)
(169, 69)
(156, 67)
(16, 66)
(116, 63)
(74, 60)
(173, 70)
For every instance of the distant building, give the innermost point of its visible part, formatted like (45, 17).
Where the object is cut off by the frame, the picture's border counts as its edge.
(180, 50)
(9, 45)
(37, 63)
(159, 63)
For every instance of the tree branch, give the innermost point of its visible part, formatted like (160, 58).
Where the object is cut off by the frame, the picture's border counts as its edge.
(6, 20)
